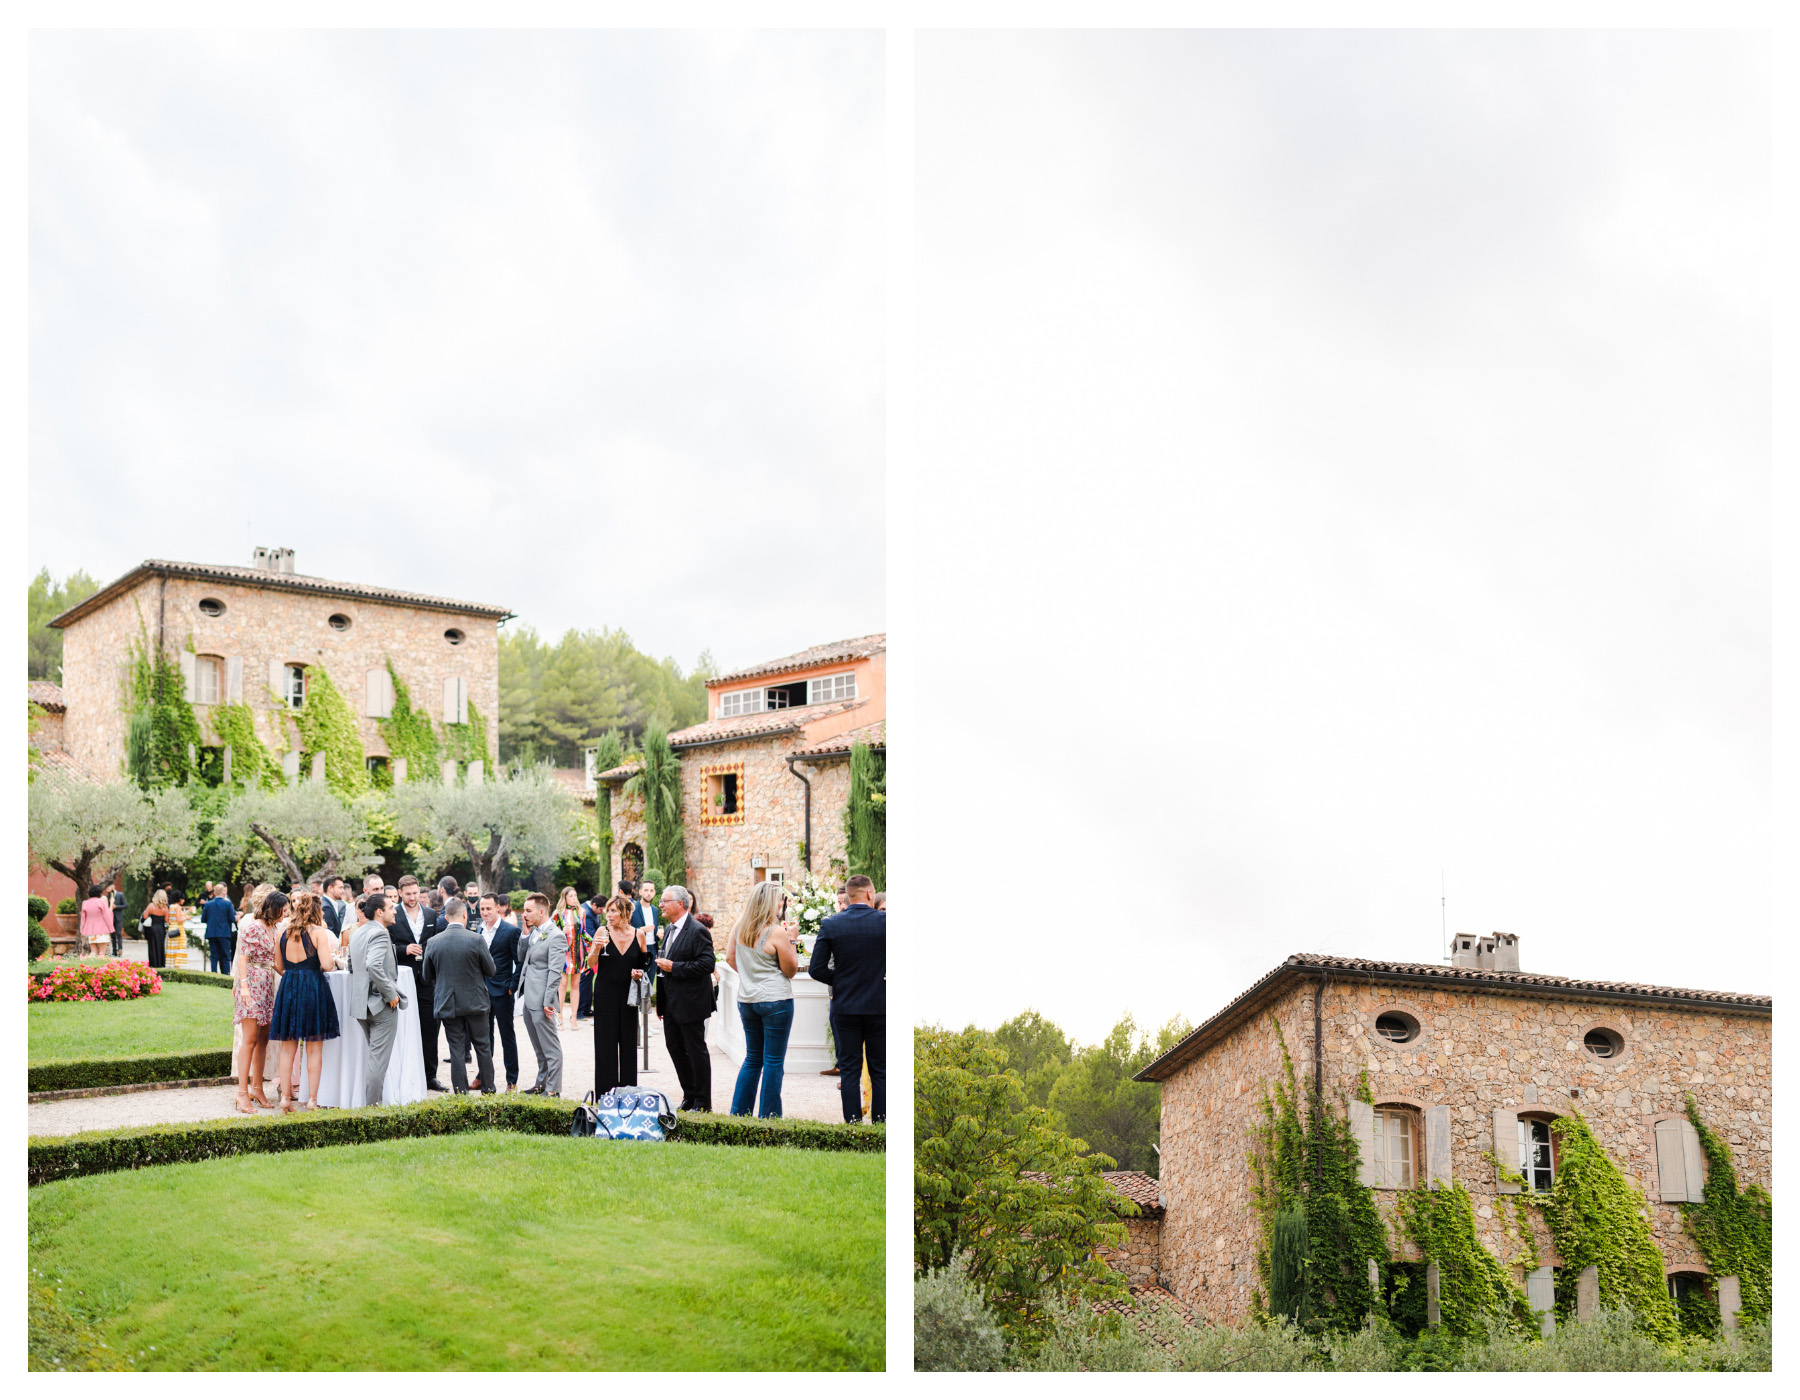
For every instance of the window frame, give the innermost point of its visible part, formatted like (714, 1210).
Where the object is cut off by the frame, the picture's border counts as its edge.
(836, 691)
(1527, 1121)
(207, 662)
(739, 712)
(710, 813)
(293, 678)
(1412, 1120)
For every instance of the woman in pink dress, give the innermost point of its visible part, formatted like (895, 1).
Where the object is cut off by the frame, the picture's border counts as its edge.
(253, 980)
(96, 923)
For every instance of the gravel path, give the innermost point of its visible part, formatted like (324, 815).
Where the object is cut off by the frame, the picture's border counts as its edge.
(813, 1096)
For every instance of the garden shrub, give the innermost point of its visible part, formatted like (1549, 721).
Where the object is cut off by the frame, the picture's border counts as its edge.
(86, 1154)
(111, 981)
(39, 942)
(39, 906)
(201, 979)
(66, 905)
(142, 1069)
(952, 1328)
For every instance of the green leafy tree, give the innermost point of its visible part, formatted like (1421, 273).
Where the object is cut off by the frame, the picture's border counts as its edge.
(1037, 1051)
(93, 832)
(297, 833)
(523, 820)
(994, 1179)
(555, 700)
(659, 783)
(865, 815)
(44, 599)
(1095, 1097)
(609, 753)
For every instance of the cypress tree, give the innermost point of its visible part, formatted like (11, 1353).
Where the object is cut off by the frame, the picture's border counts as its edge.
(865, 815)
(1287, 1266)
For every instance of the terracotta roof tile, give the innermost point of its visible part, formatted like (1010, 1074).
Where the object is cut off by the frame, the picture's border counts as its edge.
(1140, 1187)
(718, 731)
(263, 578)
(1306, 967)
(48, 694)
(874, 735)
(855, 649)
(1144, 1292)
(623, 771)
(57, 765)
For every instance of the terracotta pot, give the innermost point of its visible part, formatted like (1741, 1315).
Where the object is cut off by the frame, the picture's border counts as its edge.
(70, 923)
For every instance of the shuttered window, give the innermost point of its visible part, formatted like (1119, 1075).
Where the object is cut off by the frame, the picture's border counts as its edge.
(1536, 1163)
(1680, 1165)
(234, 680)
(378, 693)
(456, 701)
(1394, 1148)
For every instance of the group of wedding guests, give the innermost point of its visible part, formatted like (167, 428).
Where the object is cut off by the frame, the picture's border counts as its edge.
(614, 962)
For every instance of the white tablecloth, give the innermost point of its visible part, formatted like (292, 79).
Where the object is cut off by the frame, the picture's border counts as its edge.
(346, 1058)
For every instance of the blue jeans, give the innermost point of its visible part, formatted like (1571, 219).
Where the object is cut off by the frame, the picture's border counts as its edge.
(766, 1027)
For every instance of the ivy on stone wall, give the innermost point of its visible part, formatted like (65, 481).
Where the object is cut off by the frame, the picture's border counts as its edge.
(1597, 1217)
(409, 734)
(251, 761)
(1313, 1165)
(327, 726)
(155, 690)
(1734, 1230)
(1473, 1286)
(467, 742)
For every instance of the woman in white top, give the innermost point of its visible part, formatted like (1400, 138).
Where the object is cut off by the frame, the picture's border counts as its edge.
(761, 950)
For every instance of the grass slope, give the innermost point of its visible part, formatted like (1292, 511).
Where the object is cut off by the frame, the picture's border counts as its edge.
(178, 1019)
(487, 1251)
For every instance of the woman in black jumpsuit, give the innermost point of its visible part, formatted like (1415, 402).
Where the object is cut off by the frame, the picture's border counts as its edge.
(618, 958)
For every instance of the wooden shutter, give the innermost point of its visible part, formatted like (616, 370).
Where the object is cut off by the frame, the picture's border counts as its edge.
(1506, 1148)
(450, 701)
(378, 693)
(399, 771)
(188, 687)
(278, 681)
(462, 701)
(318, 767)
(447, 771)
(475, 767)
(1437, 1145)
(290, 764)
(1693, 1161)
(234, 680)
(1362, 1128)
(1540, 1294)
(1671, 1161)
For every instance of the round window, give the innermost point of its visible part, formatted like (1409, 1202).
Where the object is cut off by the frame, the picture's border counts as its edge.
(1603, 1043)
(1396, 1026)
(454, 636)
(212, 607)
(340, 622)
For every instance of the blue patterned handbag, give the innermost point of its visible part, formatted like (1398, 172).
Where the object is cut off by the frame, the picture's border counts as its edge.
(626, 1115)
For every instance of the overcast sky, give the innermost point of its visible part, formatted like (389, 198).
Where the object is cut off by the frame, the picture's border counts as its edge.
(1359, 444)
(588, 325)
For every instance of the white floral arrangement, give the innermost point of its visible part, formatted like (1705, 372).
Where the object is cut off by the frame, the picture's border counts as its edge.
(809, 905)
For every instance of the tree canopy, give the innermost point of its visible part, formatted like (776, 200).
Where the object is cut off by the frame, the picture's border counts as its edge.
(297, 832)
(557, 699)
(525, 819)
(93, 832)
(44, 599)
(660, 783)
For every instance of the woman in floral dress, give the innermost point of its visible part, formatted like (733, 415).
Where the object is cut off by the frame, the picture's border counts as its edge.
(253, 992)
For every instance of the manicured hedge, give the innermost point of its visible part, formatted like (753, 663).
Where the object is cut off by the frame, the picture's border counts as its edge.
(86, 1154)
(203, 979)
(143, 1069)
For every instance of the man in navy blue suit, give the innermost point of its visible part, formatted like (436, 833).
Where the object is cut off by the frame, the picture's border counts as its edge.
(850, 956)
(502, 940)
(221, 927)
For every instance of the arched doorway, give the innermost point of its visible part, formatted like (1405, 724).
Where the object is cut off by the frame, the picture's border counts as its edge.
(631, 862)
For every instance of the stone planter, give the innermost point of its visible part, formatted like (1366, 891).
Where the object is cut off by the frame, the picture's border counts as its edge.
(69, 923)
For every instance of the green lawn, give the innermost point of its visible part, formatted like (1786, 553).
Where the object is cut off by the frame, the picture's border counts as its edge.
(181, 1017)
(484, 1251)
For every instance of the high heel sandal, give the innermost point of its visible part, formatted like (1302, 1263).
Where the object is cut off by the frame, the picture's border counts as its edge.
(256, 1097)
(312, 1104)
(287, 1104)
(244, 1104)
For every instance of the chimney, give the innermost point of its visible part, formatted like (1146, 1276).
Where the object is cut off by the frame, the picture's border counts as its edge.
(1462, 951)
(1506, 952)
(274, 560)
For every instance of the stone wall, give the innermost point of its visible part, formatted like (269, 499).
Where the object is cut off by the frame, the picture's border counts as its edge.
(1140, 1258)
(1476, 1053)
(49, 731)
(261, 626)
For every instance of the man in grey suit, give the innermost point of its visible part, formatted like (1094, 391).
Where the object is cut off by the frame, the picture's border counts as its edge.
(457, 966)
(542, 957)
(375, 997)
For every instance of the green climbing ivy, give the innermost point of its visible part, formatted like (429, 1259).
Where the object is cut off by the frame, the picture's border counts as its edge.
(1312, 1164)
(1597, 1217)
(467, 742)
(251, 761)
(327, 726)
(409, 734)
(156, 691)
(1733, 1229)
(1473, 1286)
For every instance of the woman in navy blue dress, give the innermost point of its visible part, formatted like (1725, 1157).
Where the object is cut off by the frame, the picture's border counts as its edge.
(304, 1010)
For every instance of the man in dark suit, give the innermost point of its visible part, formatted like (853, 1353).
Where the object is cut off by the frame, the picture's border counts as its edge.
(221, 927)
(413, 927)
(850, 956)
(502, 940)
(687, 999)
(333, 905)
(458, 966)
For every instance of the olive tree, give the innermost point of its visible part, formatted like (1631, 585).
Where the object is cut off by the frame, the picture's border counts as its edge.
(302, 830)
(93, 832)
(528, 818)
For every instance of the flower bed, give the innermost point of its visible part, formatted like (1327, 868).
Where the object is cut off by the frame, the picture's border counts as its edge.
(112, 981)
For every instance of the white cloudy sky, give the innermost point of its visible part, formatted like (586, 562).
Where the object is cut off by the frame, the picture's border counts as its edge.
(589, 325)
(1359, 444)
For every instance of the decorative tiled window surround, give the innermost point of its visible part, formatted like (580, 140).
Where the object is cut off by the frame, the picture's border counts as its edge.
(722, 786)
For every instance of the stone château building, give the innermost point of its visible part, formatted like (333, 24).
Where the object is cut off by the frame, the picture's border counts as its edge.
(1467, 1065)
(765, 778)
(261, 636)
